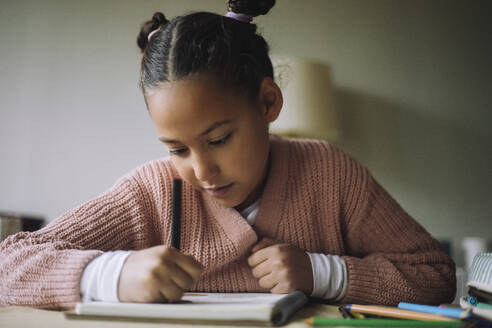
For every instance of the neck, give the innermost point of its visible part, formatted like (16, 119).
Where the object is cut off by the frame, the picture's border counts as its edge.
(258, 191)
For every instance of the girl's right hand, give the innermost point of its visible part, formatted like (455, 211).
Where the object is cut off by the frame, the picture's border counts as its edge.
(157, 274)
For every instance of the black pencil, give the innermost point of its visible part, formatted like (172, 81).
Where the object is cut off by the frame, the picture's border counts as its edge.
(176, 214)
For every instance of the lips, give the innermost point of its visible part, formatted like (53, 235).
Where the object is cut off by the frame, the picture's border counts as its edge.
(220, 191)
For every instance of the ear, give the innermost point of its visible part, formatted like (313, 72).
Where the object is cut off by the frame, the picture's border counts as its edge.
(271, 100)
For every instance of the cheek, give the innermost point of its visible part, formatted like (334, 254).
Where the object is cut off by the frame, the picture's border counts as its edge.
(185, 171)
(250, 158)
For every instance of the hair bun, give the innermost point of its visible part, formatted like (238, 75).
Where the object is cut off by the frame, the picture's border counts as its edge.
(158, 20)
(251, 7)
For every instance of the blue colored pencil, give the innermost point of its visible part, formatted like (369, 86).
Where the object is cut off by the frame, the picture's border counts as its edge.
(448, 312)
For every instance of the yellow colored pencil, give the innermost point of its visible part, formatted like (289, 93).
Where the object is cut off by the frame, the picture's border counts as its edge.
(358, 315)
(386, 311)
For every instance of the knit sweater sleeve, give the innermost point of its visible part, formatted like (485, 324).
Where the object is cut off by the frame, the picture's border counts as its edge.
(391, 258)
(43, 268)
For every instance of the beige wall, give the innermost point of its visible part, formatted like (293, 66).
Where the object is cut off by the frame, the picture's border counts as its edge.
(412, 79)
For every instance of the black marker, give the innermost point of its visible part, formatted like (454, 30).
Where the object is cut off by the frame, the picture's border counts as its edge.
(176, 214)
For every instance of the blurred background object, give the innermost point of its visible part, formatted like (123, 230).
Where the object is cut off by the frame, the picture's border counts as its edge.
(309, 107)
(11, 223)
(472, 246)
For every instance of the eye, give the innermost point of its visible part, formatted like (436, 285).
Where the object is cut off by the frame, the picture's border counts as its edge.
(177, 152)
(221, 141)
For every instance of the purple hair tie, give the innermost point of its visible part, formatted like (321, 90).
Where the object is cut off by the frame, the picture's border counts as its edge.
(240, 17)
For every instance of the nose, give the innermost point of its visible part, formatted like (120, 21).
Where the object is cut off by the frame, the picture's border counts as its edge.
(205, 168)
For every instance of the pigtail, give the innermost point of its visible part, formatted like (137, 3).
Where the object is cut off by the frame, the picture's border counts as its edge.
(149, 28)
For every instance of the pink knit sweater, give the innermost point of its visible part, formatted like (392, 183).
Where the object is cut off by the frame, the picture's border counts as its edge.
(315, 198)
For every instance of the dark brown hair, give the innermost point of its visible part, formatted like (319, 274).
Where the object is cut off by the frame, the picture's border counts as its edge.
(204, 42)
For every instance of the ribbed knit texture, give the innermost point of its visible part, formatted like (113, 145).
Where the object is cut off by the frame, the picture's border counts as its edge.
(315, 198)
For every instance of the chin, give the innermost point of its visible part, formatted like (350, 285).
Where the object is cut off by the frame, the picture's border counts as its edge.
(228, 202)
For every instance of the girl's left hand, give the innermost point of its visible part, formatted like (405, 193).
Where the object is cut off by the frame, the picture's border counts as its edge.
(280, 267)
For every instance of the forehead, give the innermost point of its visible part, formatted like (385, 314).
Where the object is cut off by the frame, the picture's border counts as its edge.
(187, 107)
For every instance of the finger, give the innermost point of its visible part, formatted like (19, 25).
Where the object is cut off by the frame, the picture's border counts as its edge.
(261, 270)
(190, 265)
(268, 281)
(169, 270)
(186, 262)
(272, 250)
(281, 289)
(170, 291)
(263, 243)
(257, 258)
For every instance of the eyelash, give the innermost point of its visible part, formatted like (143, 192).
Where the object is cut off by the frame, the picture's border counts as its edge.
(219, 143)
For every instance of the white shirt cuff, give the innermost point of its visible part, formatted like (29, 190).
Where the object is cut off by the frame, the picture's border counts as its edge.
(329, 276)
(99, 281)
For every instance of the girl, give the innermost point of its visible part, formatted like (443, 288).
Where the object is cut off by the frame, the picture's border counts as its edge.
(260, 213)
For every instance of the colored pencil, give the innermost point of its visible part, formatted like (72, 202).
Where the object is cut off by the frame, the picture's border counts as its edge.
(448, 312)
(386, 311)
(316, 321)
(344, 312)
(484, 305)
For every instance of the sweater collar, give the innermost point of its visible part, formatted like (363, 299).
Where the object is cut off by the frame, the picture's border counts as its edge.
(237, 229)
(274, 193)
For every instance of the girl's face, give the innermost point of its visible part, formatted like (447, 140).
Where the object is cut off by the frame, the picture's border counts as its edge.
(218, 140)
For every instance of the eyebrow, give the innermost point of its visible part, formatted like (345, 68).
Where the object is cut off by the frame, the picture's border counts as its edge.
(207, 131)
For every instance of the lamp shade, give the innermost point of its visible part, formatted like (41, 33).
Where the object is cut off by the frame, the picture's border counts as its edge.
(308, 109)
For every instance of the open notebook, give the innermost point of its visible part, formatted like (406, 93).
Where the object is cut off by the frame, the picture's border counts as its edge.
(269, 308)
